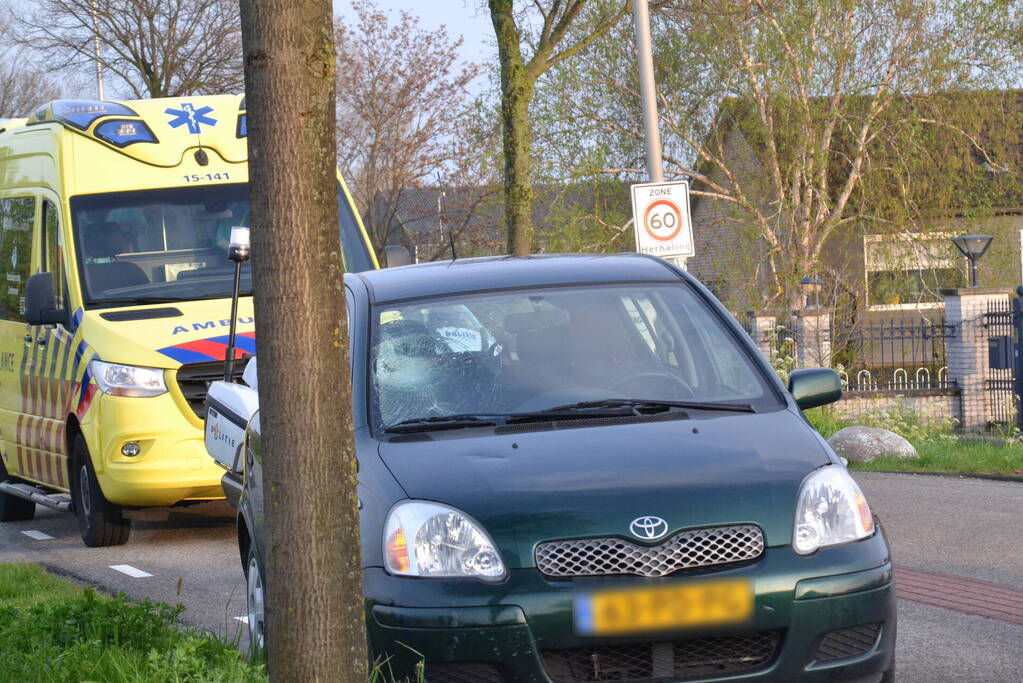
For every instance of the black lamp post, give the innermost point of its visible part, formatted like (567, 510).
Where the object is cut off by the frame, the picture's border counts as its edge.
(973, 247)
(811, 287)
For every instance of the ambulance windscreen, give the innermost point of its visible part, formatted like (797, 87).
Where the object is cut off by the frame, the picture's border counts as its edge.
(171, 244)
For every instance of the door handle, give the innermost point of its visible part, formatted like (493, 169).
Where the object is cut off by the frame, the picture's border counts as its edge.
(41, 341)
(28, 338)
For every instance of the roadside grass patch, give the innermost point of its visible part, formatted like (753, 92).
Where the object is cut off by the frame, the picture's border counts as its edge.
(940, 448)
(54, 632)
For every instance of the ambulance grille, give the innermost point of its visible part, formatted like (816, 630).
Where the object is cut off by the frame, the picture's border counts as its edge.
(195, 379)
(686, 550)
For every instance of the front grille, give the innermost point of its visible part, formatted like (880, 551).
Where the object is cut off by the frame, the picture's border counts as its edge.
(462, 672)
(689, 549)
(681, 660)
(194, 380)
(848, 642)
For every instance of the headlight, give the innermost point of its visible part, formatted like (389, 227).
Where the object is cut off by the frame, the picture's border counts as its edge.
(429, 539)
(831, 509)
(128, 380)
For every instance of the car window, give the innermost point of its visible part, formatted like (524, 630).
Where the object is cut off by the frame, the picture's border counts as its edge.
(535, 349)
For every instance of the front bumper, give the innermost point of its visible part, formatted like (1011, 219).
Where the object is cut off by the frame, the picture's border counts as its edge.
(173, 465)
(519, 630)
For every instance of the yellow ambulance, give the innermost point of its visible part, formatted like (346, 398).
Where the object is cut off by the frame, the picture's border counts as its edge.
(114, 226)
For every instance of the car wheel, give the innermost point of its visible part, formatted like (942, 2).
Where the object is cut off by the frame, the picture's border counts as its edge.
(255, 600)
(99, 521)
(12, 508)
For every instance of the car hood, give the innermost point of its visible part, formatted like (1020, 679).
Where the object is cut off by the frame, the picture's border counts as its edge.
(577, 482)
(167, 335)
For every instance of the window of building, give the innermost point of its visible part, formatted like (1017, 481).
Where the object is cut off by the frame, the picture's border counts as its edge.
(910, 270)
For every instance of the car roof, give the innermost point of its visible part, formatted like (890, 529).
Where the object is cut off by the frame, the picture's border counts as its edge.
(440, 278)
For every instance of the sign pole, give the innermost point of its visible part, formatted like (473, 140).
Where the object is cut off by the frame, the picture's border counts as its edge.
(647, 89)
(648, 93)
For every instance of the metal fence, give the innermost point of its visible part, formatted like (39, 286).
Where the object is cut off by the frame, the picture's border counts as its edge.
(997, 322)
(893, 356)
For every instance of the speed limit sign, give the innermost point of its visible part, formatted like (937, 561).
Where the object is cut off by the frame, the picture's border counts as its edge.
(660, 213)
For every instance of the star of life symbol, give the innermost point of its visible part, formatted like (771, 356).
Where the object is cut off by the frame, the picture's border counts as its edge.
(189, 116)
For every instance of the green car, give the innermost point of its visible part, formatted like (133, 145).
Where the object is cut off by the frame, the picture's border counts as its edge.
(579, 468)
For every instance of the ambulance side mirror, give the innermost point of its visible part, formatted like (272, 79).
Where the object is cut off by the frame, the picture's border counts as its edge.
(395, 256)
(40, 302)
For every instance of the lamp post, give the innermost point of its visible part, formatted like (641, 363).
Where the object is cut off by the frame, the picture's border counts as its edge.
(973, 247)
(811, 287)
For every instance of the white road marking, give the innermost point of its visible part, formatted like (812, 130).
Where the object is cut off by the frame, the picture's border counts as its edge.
(38, 535)
(130, 571)
(244, 620)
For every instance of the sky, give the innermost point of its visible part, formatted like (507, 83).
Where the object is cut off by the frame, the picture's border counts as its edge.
(466, 18)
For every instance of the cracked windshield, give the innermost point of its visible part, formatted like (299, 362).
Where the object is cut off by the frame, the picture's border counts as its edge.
(510, 354)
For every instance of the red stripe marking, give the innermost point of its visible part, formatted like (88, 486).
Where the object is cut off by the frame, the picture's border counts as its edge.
(215, 350)
(83, 407)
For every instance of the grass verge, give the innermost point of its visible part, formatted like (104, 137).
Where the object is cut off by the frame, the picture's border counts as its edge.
(940, 448)
(55, 632)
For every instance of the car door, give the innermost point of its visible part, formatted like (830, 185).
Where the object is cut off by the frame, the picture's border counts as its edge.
(51, 359)
(17, 218)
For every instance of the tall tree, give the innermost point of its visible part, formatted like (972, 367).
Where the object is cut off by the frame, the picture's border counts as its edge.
(22, 87)
(150, 48)
(401, 109)
(315, 613)
(519, 75)
(801, 119)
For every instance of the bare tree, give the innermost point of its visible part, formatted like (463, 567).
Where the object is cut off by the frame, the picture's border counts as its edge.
(520, 72)
(151, 48)
(315, 610)
(401, 104)
(782, 111)
(23, 86)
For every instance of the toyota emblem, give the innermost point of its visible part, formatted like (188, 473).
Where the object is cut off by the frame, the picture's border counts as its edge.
(648, 528)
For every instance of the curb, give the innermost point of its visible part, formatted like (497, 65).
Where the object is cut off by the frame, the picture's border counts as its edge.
(1013, 478)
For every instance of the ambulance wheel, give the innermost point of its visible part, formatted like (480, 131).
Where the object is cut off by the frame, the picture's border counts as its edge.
(99, 521)
(12, 508)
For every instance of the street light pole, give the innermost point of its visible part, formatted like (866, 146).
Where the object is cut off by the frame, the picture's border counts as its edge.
(647, 89)
(95, 45)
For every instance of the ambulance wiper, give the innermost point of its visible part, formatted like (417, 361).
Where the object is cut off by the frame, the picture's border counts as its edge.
(433, 424)
(140, 300)
(645, 406)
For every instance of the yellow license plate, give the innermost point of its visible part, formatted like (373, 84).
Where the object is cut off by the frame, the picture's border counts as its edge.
(637, 610)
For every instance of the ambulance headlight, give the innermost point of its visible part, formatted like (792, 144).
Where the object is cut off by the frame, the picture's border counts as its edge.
(128, 380)
(433, 540)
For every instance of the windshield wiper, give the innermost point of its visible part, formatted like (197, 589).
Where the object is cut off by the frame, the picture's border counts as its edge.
(643, 404)
(432, 424)
(137, 300)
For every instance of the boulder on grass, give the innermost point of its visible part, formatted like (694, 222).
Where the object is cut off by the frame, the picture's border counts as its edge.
(865, 444)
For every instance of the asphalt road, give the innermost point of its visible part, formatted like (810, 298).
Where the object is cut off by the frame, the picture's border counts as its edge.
(958, 527)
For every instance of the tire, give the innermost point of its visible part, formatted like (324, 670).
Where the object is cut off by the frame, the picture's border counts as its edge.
(12, 508)
(99, 521)
(255, 603)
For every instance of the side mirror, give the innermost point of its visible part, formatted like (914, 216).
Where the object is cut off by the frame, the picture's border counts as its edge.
(40, 302)
(395, 256)
(814, 387)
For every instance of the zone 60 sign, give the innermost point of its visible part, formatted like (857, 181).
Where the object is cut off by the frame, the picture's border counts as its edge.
(660, 214)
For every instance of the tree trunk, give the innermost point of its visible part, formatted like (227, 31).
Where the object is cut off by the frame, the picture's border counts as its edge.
(315, 613)
(517, 87)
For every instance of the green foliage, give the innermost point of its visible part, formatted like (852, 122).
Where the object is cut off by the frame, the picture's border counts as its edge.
(954, 455)
(57, 633)
(901, 419)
